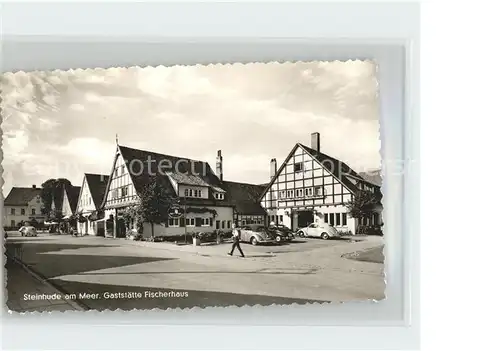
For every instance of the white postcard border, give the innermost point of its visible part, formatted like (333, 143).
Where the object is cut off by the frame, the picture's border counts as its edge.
(386, 33)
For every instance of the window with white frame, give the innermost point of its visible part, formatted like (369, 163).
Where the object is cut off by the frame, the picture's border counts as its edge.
(299, 192)
(192, 192)
(309, 192)
(173, 222)
(205, 222)
(190, 222)
(318, 191)
(219, 196)
(282, 194)
(289, 194)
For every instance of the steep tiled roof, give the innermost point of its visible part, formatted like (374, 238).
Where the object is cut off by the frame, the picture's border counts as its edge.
(97, 186)
(21, 196)
(73, 194)
(338, 168)
(187, 179)
(245, 197)
(181, 168)
(373, 177)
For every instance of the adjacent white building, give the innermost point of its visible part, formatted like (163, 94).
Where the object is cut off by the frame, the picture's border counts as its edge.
(23, 205)
(310, 187)
(89, 202)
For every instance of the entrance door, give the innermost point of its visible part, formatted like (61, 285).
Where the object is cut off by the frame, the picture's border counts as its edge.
(86, 227)
(305, 218)
(121, 229)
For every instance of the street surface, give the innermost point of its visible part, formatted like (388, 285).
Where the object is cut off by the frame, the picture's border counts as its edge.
(117, 273)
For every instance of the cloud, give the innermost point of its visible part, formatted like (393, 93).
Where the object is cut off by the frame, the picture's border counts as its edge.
(253, 112)
(77, 107)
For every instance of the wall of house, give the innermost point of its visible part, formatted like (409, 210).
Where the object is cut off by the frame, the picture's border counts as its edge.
(87, 228)
(250, 219)
(223, 214)
(336, 216)
(12, 220)
(121, 190)
(306, 184)
(85, 201)
(66, 207)
(32, 210)
(310, 186)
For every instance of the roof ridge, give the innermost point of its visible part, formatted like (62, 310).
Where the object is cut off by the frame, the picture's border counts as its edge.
(167, 155)
(96, 174)
(234, 182)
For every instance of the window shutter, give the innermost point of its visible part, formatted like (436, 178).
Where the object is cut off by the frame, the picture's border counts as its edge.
(182, 222)
(211, 222)
(197, 221)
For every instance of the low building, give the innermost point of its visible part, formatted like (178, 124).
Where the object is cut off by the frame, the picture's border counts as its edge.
(245, 199)
(23, 205)
(89, 202)
(310, 187)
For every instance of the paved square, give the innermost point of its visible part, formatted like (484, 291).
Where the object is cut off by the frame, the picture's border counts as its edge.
(126, 274)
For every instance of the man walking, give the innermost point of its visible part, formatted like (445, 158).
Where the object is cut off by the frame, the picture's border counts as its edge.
(236, 241)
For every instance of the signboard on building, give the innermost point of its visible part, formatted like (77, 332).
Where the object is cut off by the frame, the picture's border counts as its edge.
(175, 211)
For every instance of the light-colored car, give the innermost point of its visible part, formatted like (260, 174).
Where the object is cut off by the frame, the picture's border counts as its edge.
(28, 231)
(318, 230)
(256, 234)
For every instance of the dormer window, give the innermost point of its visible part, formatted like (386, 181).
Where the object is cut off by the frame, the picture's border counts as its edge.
(192, 192)
(219, 196)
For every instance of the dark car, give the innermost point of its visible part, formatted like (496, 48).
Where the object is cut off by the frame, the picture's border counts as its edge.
(281, 233)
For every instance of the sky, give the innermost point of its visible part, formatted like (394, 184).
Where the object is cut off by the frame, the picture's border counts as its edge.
(62, 124)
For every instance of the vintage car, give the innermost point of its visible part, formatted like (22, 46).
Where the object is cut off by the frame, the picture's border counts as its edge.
(28, 231)
(256, 234)
(281, 233)
(319, 230)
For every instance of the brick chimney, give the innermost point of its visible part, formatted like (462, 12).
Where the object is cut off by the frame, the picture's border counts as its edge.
(218, 165)
(273, 167)
(33, 186)
(315, 142)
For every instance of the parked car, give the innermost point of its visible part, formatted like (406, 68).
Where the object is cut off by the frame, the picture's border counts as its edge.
(281, 233)
(322, 230)
(256, 234)
(28, 231)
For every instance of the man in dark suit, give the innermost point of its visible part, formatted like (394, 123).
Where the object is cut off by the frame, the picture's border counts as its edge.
(236, 242)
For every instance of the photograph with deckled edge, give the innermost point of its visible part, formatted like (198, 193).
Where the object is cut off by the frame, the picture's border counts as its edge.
(192, 186)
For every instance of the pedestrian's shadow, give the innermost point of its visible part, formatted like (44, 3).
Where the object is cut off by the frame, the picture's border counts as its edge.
(252, 256)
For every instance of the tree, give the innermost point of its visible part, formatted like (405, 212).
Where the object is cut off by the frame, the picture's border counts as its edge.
(363, 204)
(53, 191)
(154, 203)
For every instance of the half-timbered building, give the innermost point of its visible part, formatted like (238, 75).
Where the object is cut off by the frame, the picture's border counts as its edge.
(89, 202)
(208, 201)
(310, 187)
(193, 183)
